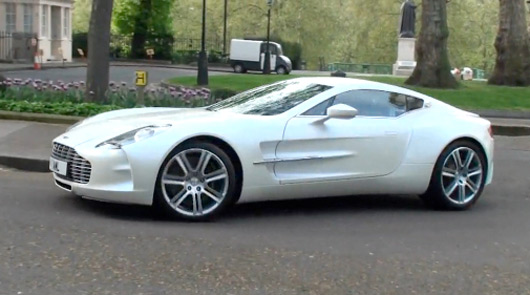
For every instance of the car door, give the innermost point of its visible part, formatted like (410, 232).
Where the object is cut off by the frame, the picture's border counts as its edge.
(371, 144)
(274, 55)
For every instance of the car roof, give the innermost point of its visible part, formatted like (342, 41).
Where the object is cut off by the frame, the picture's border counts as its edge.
(351, 83)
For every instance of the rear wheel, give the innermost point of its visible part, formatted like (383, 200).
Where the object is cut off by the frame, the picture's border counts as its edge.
(238, 68)
(196, 182)
(458, 177)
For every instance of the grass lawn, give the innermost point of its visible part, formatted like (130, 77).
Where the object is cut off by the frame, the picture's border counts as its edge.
(470, 94)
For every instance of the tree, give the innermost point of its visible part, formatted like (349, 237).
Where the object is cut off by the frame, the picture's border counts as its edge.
(433, 68)
(353, 31)
(149, 23)
(473, 25)
(141, 27)
(512, 65)
(99, 50)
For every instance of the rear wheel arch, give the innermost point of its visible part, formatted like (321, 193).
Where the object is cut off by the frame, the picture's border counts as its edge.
(434, 196)
(473, 141)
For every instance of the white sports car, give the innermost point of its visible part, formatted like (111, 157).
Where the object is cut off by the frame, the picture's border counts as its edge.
(299, 138)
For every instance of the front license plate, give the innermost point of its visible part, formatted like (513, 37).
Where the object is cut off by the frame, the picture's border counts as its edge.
(58, 167)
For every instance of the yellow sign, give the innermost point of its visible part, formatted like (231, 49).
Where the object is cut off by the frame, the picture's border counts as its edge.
(141, 78)
(150, 52)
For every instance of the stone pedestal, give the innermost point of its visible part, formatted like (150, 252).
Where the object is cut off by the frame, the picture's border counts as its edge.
(406, 60)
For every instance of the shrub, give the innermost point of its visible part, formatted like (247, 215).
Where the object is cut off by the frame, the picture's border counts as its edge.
(223, 93)
(184, 57)
(215, 56)
(120, 46)
(162, 44)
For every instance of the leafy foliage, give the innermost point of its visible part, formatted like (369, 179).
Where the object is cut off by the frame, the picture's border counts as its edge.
(356, 31)
(58, 108)
(149, 18)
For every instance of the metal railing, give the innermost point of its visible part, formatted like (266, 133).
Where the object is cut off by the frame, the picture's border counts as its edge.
(6, 46)
(365, 68)
(16, 46)
(195, 44)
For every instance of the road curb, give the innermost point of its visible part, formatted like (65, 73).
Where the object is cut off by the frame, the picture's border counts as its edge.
(25, 164)
(508, 130)
(42, 118)
(506, 114)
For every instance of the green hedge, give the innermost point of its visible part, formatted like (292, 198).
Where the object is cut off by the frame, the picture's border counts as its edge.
(57, 108)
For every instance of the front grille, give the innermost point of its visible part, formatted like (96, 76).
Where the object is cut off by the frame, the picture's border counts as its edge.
(78, 169)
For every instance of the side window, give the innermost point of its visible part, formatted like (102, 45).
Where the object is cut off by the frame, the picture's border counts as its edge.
(414, 103)
(272, 47)
(376, 103)
(320, 109)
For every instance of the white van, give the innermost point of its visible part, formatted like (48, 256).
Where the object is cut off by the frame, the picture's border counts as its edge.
(250, 55)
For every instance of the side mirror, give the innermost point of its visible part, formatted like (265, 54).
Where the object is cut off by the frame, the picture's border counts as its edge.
(341, 111)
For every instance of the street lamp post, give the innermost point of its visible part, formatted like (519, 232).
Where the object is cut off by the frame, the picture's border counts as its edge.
(224, 27)
(267, 62)
(202, 75)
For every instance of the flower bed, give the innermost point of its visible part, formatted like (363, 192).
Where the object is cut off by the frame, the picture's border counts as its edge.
(58, 97)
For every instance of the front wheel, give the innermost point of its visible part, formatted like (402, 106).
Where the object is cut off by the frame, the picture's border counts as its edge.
(281, 70)
(458, 178)
(196, 182)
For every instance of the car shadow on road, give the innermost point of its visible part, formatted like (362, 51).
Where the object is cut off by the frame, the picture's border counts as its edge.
(314, 206)
(326, 206)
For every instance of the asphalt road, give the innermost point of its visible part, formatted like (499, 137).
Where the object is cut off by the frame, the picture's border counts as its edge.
(117, 74)
(54, 243)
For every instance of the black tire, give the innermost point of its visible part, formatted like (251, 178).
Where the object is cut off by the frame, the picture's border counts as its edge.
(239, 68)
(441, 195)
(281, 70)
(162, 204)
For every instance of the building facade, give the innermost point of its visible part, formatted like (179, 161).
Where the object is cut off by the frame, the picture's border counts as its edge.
(49, 22)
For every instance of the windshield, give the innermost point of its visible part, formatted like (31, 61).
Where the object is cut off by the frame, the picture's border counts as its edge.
(279, 50)
(270, 99)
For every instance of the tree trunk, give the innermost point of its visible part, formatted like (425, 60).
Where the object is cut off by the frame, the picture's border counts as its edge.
(141, 27)
(99, 50)
(512, 66)
(433, 68)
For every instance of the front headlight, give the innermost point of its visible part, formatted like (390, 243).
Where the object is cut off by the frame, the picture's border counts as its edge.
(133, 136)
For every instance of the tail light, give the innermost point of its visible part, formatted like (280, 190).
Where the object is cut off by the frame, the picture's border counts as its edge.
(490, 130)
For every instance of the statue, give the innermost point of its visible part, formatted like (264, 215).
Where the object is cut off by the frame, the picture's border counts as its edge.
(407, 23)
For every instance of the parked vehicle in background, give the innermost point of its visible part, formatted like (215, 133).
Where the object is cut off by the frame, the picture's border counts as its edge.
(249, 55)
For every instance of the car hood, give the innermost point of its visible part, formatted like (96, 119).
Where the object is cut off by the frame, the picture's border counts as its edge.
(114, 123)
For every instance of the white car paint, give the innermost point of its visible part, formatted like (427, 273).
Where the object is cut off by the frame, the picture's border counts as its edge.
(282, 156)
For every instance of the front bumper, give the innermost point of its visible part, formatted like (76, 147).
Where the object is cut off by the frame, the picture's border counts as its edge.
(111, 178)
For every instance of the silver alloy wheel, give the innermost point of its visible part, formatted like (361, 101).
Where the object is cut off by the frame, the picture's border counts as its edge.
(195, 182)
(462, 175)
(280, 71)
